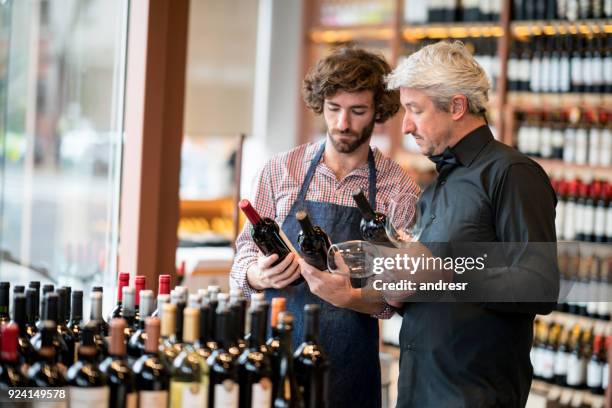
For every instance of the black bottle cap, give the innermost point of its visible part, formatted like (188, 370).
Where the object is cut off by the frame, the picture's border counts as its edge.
(31, 304)
(19, 310)
(51, 307)
(19, 289)
(77, 305)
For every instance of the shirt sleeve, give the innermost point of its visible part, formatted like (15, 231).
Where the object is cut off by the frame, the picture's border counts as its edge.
(246, 250)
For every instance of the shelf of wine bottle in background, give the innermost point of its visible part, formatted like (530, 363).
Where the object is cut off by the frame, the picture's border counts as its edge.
(561, 63)
(192, 349)
(449, 11)
(571, 355)
(568, 10)
(574, 136)
(342, 13)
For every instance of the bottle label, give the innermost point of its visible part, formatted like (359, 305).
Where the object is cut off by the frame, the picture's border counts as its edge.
(188, 394)
(609, 222)
(560, 367)
(600, 221)
(525, 70)
(560, 217)
(594, 374)
(226, 394)
(577, 74)
(570, 214)
(262, 394)
(94, 397)
(576, 370)
(153, 399)
(535, 75)
(564, 74)
(588, 217)
(605, 375)
(547, 363)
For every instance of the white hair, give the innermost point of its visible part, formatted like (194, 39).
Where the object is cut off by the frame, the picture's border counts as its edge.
(443, 70)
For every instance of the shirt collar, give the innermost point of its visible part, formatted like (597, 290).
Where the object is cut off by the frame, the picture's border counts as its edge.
(468, 148)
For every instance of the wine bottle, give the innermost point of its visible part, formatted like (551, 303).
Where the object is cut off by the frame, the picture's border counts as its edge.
(287, 392)
(121, 379)
(46, 371)
(373, 223)
(311, 362)
(128, 312)
(161, 299)
(123, 281)
(135, 347)
(31, 311)
(96, 317)
(562, 357)
(169, 348)
(268, 236)
(68, 306)
(150, 370)
(189, 381)
(254, 368)
(36, 315)
(163, 293)
(11, 369)
(238, 307)
(65, 356)
(181, 302)
(595, 366)
(140, 283)
(205, 343)
(26, 352)
(576, 363)
(223, 391)
(273, 343)
(88, 384)
(547, 354)
(76, 314)
(5, 288)
(70, 356)
(18, 289)
(313, 241)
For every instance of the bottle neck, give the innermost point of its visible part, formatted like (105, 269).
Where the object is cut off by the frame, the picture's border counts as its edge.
(258, 328)
(364, 206)
(311, 331)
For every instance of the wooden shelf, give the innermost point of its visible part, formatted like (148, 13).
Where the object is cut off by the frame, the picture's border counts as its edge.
(529, 100)
(451, 30)
(567, 319)
(559, 167)
(524, 29)
(334, 35)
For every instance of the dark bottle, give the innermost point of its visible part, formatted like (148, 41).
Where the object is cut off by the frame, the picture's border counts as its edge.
(163, 293)
(96, 317)
(273, 343)
(524, 75)
(68, 310)
(518, 10)
(562, 357)
(135, 347)
(206, 342)
(151, 372)
(373, 223)
(27, 355)
(11, 369)
(213, 302)
(313, 241)
(45, 289)
(128, 312)
(46, 371)
(76, 315)
(140, 283)
(123, 281)
(189, 381)
(70, 357)
(311, 362)
(118, 371)
(223, 382)
(36, 286)
(238, 307)
(181, 304)
(88, 384)
(18, 289)
(577, 65)
(5, 287)
(268, 236)
(31, 311)
(64, 355)
(254, 368)
(287, 391)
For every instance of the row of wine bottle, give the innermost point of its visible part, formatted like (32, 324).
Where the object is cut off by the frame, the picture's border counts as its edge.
(450, 11)
(584, 210)
(337, 13)
(573, 355)
(551, 136)
(193, 353)
(561, 63)
(571, 10)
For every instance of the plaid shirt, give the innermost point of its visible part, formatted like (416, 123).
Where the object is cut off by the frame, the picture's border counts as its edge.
(278, 185)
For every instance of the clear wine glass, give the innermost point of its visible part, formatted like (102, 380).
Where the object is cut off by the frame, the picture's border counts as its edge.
(403, 225)
(352, 258)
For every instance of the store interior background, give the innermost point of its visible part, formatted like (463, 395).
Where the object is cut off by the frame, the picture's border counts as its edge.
(63, 72)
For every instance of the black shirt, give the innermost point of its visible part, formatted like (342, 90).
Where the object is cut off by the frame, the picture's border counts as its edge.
(477, 354)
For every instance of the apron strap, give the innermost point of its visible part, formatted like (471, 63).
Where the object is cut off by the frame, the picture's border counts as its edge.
(313, 165)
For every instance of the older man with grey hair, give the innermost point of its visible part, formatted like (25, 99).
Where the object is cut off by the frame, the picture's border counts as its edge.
(471, 353)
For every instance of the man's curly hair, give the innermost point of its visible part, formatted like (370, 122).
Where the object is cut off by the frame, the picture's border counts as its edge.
(351, 69)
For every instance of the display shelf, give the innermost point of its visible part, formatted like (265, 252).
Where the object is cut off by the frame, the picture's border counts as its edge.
(567, 319)
(530, 100)
(451, 30)
(524, 29)
(554, 167)
(335, 35)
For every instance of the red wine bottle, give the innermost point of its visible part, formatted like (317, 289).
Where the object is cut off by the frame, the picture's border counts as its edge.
(115, 366)
(31, 311)
(135, 346)
(27, 354)
(11, 373)
(313, 241)
(373, 223)
(311, 362)
(46, 371)
(140, 283)
(124, 280)
(287, 391)
(268, 236)
(151, 371)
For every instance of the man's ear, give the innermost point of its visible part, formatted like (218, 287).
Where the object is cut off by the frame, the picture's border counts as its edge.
(459, 106)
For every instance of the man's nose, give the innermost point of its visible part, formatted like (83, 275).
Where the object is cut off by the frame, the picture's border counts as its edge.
(408, 125)
(343, 122)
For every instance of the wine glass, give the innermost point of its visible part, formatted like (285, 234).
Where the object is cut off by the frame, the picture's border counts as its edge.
(353, 258)
(403, 225)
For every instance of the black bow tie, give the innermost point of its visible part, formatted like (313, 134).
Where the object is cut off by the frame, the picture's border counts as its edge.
(445, 161)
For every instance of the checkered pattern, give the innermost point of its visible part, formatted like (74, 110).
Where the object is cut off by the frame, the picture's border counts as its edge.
(278, 185)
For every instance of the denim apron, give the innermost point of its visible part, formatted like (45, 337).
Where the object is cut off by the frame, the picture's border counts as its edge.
(350, 338)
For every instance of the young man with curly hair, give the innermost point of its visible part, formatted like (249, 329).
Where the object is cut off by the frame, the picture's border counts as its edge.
(348, 88)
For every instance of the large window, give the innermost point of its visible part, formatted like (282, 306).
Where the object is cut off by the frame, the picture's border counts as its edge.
(62, 68)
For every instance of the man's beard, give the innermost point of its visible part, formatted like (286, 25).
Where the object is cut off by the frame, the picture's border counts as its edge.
(355, 142)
